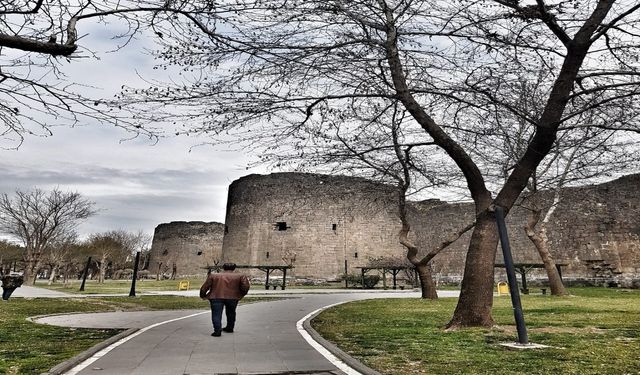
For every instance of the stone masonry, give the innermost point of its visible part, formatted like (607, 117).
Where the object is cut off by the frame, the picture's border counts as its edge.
(319, 224)
(323, 225)
(190, 246)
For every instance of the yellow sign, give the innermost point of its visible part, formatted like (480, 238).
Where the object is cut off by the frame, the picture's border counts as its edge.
(503, 288)
(183, 285)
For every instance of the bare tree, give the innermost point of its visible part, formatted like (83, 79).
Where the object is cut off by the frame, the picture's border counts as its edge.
(10, 254)
(38, 38)
(581, 156)
(58, 255)
(115, 248)
(268, 72)
(37, 218)
(391, 152)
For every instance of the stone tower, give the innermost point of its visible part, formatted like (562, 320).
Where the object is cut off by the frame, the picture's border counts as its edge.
(321, 224)
(185, 247)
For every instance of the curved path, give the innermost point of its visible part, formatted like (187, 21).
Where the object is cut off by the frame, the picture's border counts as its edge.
(266, 340)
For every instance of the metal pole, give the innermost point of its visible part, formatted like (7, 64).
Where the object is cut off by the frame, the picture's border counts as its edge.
(284, 278)
(84, 274)
(132, 292)
(511, 277)
(346, 272)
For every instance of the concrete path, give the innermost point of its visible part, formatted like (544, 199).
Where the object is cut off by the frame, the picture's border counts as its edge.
(266, 340)
(26, 291)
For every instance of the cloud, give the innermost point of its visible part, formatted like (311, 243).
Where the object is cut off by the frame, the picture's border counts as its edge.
(137, 184)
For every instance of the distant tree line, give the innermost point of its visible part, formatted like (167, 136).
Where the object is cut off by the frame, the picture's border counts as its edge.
(44, 225)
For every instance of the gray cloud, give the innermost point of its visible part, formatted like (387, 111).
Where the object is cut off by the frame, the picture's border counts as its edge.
(134, 186)
(135, 183)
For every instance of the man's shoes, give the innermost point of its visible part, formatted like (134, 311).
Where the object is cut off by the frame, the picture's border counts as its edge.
(228, 330)
(216, 334)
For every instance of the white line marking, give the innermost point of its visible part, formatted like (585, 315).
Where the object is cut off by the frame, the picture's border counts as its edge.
(109, 348)
(321, 349)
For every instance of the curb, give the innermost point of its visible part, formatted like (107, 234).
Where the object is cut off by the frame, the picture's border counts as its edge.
(344, 357)
(73, 361)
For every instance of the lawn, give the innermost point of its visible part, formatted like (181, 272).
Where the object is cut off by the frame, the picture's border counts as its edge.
(124, 286)
(121, 286)
(596, 331)
(30, 348)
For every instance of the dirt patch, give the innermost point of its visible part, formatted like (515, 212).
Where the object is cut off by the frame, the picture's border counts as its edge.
(589, 330)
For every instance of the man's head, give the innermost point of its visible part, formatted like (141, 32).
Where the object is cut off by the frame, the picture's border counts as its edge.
(229, 266)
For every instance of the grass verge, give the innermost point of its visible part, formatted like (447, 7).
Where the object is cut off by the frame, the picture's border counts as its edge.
(596, 331)
(30, 348)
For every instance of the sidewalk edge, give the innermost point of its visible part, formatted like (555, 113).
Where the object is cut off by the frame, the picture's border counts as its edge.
(70, 363)
(344, 357)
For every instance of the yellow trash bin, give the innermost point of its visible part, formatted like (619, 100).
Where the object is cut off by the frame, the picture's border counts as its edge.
(503, 288)
(183, 285)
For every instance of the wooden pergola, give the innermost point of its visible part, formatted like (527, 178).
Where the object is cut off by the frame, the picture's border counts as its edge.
(523, 268)
(268, 269)
(394, 270)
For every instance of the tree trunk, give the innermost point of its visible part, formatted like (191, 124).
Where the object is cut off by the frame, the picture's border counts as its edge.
(476, 295)
(427, 285)
(541, 242)
(52, 277)
(29, 265)
(65, 276)
(103, 269)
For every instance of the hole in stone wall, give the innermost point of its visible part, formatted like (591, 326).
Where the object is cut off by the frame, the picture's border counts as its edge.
(267, 254)
(199, 252)
(355, 255)
(281, 225)
(334, 226)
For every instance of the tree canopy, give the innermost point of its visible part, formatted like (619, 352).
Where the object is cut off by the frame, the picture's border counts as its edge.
(276, 74)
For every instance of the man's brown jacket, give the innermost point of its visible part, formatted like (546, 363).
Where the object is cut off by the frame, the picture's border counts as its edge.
(225, 285)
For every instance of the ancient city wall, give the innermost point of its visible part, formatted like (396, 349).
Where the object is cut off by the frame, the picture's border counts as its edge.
(594, 228)
(323, 221)
(318, 223)
(187, 247)
(321, 224)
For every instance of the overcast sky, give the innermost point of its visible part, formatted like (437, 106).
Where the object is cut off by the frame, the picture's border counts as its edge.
(136, 185)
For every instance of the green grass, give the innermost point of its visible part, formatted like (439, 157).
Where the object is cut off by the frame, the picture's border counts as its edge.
(120, 286)
(30, 348)
(596, 331)
(124, 286)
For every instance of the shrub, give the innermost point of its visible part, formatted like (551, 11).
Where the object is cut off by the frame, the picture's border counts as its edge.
(370, 281)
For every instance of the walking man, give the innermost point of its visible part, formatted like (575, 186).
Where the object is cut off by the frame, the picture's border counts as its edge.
(224, 290)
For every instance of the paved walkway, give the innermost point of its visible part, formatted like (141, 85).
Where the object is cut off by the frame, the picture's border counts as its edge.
(266, 340)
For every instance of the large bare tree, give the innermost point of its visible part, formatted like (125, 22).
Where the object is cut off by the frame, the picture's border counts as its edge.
(580, 156)
(268, 72)
(379, 141)
(37, 218)
(39, 39)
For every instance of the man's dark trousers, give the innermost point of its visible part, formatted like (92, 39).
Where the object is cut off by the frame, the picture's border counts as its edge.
(217, 305)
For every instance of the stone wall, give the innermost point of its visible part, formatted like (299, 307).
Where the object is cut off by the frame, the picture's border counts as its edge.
(326, 221)
(320, 224)
(592, 227)
(189, 245)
